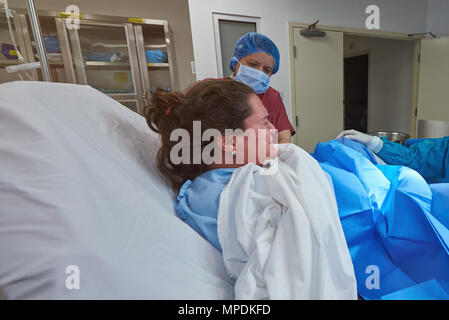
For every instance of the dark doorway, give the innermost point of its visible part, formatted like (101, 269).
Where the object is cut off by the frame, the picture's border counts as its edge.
(356, 93)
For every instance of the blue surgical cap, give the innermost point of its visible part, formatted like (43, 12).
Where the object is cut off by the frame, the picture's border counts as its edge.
(251, 43)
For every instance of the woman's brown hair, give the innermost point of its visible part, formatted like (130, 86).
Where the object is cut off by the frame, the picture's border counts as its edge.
(218, 104)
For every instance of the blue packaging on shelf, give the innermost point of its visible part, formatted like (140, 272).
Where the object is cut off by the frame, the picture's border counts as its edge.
(156, 56)
(9, 52)
(104, 57)
(52, 45)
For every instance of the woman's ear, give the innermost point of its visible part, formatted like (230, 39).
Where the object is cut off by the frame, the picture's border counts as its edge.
(236, 69)
(226, 143)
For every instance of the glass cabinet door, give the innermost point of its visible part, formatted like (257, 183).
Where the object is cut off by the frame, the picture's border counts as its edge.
(9, 55)
(52, 47)
(155, 57)
(104, 57)
(27, 46)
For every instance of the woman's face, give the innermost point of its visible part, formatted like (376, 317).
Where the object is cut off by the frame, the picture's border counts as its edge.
(260, 136)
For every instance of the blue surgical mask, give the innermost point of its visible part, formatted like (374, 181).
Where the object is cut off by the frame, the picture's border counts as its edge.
(259, 81)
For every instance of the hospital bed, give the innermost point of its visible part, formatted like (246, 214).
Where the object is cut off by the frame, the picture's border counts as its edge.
(84, 213)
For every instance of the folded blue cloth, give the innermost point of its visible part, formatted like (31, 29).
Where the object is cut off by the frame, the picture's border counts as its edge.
(156, 56)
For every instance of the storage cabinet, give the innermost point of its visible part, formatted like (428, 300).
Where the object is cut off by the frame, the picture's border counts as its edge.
(125, 58)
(8, 54)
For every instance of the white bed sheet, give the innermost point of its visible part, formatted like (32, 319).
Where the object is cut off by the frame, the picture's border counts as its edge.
(79, 186)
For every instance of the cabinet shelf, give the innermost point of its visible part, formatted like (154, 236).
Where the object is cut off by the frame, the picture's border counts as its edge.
(7, 62)
(123, 64)
(107, 64)
(155, 46)
(157, 65)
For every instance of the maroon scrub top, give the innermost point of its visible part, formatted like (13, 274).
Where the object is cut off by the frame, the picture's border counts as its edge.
(272, 100)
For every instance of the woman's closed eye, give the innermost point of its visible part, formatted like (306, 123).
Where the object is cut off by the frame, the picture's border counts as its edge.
(267, 70)
(254, 64)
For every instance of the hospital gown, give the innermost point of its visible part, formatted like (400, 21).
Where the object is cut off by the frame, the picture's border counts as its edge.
(198, 201)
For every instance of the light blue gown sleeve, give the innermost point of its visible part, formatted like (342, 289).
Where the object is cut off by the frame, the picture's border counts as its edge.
(198, 202)
(430, 157)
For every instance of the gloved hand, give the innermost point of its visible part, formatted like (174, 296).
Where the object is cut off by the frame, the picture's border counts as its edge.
(373, 143)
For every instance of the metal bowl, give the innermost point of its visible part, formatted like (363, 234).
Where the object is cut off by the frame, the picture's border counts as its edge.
(398, 137)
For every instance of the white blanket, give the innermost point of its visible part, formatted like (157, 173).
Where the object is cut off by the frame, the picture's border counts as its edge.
(281, 234)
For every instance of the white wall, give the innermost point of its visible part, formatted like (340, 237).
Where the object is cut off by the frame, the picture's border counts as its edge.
(407, 16)
(438, 17)
(390, 81)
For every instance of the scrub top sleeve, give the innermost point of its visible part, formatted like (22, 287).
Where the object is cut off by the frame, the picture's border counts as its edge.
(429, 158)
(281, 121)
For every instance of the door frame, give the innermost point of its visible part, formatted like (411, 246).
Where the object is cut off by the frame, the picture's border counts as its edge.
(358, 32)
(229, 17)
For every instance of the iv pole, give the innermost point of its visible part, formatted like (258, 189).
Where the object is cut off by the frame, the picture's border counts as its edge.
(38, 38)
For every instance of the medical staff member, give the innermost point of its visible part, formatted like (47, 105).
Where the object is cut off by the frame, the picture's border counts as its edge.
(430, 157)
(255, 59)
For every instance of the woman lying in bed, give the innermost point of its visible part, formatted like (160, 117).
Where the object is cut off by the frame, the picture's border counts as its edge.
(280, 231)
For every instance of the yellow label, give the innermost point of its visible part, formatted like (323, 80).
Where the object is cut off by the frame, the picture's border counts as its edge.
(12, 52)
(135, 20)
(121, 77)
(70, 15)
(149, 64)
